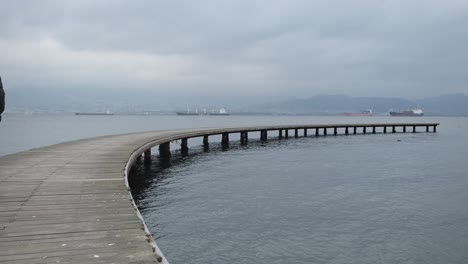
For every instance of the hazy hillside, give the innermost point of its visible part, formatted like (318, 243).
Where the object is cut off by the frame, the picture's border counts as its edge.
(36, 101)
(450, 104)
(128, 102)
(337, 104)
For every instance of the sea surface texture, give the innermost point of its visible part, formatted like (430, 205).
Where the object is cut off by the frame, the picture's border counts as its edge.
(393, 198)
(385, 198)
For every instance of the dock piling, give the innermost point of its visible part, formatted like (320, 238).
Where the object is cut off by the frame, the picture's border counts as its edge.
(225, 140)
(206, 144)
(147, 159)
(165, 149)
(184, 146)
(263, 135)
(244, 137)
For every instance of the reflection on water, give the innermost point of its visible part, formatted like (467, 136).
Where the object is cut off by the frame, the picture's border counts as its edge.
(143, 175)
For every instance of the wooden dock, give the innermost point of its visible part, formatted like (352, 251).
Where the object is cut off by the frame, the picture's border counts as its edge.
(70, 202)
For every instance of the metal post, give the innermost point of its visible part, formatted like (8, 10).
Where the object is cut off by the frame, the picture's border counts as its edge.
(414, 129)
(317, 132)
(385, 129)
(280, 134)
(324, 131)
(296, 133)
(335, 131)
(373, 130)
(354, 130)
(286, 133)
(305, 132)
(364, 130)
(346, 131)
(404, 129)
(393, 129)
(434, 129)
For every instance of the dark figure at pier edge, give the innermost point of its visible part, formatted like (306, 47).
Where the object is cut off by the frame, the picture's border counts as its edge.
(2, 99)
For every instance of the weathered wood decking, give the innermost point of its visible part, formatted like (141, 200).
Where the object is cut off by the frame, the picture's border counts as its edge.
(69, 203)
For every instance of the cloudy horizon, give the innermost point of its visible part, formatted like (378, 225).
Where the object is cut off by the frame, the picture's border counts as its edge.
(236, 48)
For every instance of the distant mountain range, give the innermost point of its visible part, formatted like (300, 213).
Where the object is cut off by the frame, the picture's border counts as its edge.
(36, 101)
(450, 104)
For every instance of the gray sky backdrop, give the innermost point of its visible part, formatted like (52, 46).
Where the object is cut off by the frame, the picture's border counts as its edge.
(241, 47)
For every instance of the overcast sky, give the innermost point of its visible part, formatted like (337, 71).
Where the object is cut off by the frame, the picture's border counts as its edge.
(241, 47)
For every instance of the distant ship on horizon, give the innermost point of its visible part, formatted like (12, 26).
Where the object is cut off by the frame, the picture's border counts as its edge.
(189, 113)
(412, 112)
(367, 112)
(94, 113)
(221, 112)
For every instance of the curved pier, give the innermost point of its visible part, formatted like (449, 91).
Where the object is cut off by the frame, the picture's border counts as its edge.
(70, 202)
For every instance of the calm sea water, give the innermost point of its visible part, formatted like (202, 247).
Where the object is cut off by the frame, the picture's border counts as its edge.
(23, 132)
(394, 198)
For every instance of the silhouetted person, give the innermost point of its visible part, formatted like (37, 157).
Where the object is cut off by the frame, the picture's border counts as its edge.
(2, 99)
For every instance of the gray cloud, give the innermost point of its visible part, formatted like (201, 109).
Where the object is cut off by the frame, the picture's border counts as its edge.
(374, 48)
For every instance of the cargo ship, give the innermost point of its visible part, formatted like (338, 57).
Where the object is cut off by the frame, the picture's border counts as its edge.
(191, 113)
(412, 112)
(366, 112)
(221, 112)
(188, 114)
(94, 113)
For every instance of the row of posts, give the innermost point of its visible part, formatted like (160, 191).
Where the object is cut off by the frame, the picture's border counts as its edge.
(165, 150)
